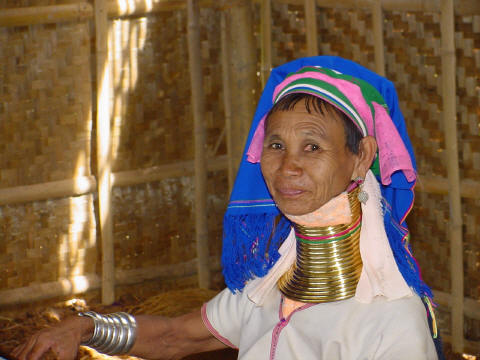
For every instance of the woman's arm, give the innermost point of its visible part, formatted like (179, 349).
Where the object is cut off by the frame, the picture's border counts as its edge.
(157, 338)
(163, 338)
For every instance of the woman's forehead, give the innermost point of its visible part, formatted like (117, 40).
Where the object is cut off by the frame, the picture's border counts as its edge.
(302, 113)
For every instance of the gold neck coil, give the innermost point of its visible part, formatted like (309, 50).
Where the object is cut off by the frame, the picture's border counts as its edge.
(328, 264)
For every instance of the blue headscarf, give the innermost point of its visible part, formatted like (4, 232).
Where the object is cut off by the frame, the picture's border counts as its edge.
(254, 228)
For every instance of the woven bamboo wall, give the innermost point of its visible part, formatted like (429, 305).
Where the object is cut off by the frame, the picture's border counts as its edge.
(414, 64)
(153, 125)
(46, 135)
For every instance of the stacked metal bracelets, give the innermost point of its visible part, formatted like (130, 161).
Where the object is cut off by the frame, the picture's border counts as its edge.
(328, 264)
(114, 334)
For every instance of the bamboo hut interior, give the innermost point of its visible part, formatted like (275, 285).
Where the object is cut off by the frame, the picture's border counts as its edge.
(122, 123)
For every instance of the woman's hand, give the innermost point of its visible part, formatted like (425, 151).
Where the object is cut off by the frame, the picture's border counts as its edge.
(157, 338)
(63, 339)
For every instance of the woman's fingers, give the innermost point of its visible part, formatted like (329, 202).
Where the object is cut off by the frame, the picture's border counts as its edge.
(37, 346)
(34, 348)
(23, 351)
(63, 339)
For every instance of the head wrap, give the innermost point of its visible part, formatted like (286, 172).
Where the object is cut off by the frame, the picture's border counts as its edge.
(254, 228)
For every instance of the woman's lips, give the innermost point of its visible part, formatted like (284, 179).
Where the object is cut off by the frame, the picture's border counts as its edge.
(290, 192)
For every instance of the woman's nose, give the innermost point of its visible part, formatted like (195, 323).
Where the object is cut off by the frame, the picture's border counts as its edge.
(291, 165)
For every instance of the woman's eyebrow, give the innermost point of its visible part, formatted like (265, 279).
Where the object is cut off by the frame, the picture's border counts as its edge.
(316, 131)
(272, 136)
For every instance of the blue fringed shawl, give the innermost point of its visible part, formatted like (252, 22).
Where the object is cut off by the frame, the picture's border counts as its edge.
(254, 228)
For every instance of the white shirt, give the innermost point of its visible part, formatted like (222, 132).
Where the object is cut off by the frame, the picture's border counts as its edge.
(347, 329)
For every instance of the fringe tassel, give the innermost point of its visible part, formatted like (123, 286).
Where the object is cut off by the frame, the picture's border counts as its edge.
(248, 249)
(428, 301)
(405, 261)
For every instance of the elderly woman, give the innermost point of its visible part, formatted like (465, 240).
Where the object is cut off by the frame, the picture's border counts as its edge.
(316, 255)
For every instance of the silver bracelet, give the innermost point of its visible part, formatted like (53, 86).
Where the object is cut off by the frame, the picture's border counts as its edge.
(113, 334)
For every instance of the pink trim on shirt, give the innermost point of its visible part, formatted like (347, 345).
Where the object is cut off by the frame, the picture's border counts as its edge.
(282, 324)
(214, 332)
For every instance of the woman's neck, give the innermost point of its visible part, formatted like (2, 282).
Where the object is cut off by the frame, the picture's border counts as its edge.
(328, 264)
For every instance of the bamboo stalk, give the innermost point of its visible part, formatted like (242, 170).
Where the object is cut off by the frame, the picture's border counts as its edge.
(55, 189)
(157, 173)
(311, 27)
(472, 306)
(198, 105)
(242, 75)
(141, 7)
(219, 141)
(389, 5)
(470, 189)
(45, 14)
(53, 14)
(87, 184)
(450, 128)
(462, 7)
(227, 97)
(379, 48)
(62, 287)
(266, 36)
(84, 283)
(104, 152)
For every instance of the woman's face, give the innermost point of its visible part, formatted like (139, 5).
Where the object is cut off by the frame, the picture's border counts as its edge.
(305, 160)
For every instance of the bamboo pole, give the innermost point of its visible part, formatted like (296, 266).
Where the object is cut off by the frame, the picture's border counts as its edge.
(311, 27)
(389, 5)
(217, 144)
(52, 14)
(198, 105)
(87, 184)
(141, 7)
(242, 75)
(450, 128)
(470, 189)
(104, 152)
(227, 96)
(472, 306)
(266, 36)
(55, 189)
(84, 283)
(157, 173)
(379, 48)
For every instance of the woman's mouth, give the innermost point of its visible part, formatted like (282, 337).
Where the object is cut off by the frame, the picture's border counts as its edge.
(290, 192)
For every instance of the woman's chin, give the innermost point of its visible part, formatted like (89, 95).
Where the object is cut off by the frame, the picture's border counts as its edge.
(294, 208)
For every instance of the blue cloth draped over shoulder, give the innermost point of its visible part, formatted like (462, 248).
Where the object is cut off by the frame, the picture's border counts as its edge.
(254, 228)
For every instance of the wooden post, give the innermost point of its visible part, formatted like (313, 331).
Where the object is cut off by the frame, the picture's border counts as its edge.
(104, 152)
(198, 105)
(266, 35)
(45, 14)
(227, 97)
(311, 27)
(451, 151)
(377, 18)
(242, 74)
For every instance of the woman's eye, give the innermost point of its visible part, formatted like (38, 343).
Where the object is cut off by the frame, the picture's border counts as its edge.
(312, 147)
(276, 146)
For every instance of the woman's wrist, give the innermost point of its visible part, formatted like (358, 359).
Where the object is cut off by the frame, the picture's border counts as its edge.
(86, 326)
(113, 334)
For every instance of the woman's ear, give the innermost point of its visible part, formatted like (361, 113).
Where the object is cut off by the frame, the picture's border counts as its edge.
(366, 154)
